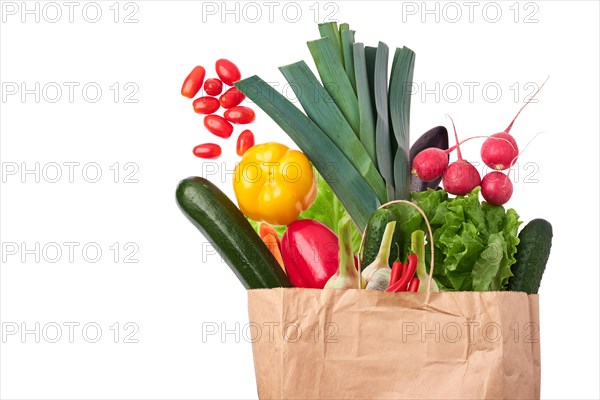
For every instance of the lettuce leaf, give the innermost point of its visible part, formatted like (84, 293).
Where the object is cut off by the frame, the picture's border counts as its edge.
(475, 242)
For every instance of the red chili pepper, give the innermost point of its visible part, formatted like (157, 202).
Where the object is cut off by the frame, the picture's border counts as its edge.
(407, 274)
(193, 82)
(396, 272)
(231, 98)
(244, 142)
(213, 87)
(240, 115)
(206, 105)
(208, 151)
(218, 126)
(413, 286)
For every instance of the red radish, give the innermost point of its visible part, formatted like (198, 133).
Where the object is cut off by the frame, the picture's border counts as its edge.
(461, 177)
(501, 154)
(431, 163)
(496, 188)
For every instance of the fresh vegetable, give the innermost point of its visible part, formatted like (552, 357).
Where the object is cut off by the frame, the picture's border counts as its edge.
(218, 126)
(328, 210)
(239, 115)
(209, 151)
(496, 188)
(274, 184)
(219, 220)
(407, 275)
(380, 279)
(461, 177)
(366, 131)
(533, 251)
(475, 243)
(385, 143)
(330, 119)
(244, 142)
(213, 87)
(347, 276)
(231, 98)
(381, 261)
(193, 82)
(414, 285)
(350, 187)
(502, 154)
(399, 104)
(417, 246)
(272, 243)
(434, 138)
(227, 71)
(266, 229)
(374, 235)
(310, 253)
(396, 272)
(328, 61)
(206, 105)
(408, 220)
(347, 39)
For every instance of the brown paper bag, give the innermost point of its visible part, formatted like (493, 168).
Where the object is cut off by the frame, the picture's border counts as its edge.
(362, 344)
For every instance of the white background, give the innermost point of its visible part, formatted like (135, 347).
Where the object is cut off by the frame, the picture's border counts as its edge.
(176, 290)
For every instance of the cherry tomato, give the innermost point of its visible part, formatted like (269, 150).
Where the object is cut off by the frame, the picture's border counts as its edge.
(218, 126)
(240, 115)
(213, 87)
(231, 98)
(193, 82)
(209, 151)
(227, 71)
(244, 142)
(206, 105)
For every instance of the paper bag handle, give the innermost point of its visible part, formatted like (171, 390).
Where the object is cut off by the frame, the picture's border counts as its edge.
(431, 265)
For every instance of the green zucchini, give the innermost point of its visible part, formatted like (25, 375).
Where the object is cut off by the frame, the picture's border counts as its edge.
(533, 250)
(373, 235)
(224, 225)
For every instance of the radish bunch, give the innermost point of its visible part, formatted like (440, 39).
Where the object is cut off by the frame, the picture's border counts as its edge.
(499, 152)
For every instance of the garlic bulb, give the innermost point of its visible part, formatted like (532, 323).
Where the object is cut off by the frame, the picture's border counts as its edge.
(380, 279)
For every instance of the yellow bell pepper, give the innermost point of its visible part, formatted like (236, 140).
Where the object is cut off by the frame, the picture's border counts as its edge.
(274, 184)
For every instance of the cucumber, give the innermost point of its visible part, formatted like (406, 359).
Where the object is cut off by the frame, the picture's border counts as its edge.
(374, 233)
(533, 250)
(224, 225)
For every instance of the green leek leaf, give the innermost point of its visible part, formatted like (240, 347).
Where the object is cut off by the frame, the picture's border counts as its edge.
(367, 124)
(347, 43)
(334, 79)
(383, 145)
(321, 109)
(399, 104)
(330, 30)
(357, 197)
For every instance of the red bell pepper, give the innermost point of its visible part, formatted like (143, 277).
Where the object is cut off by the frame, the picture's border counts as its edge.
(310, 253)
